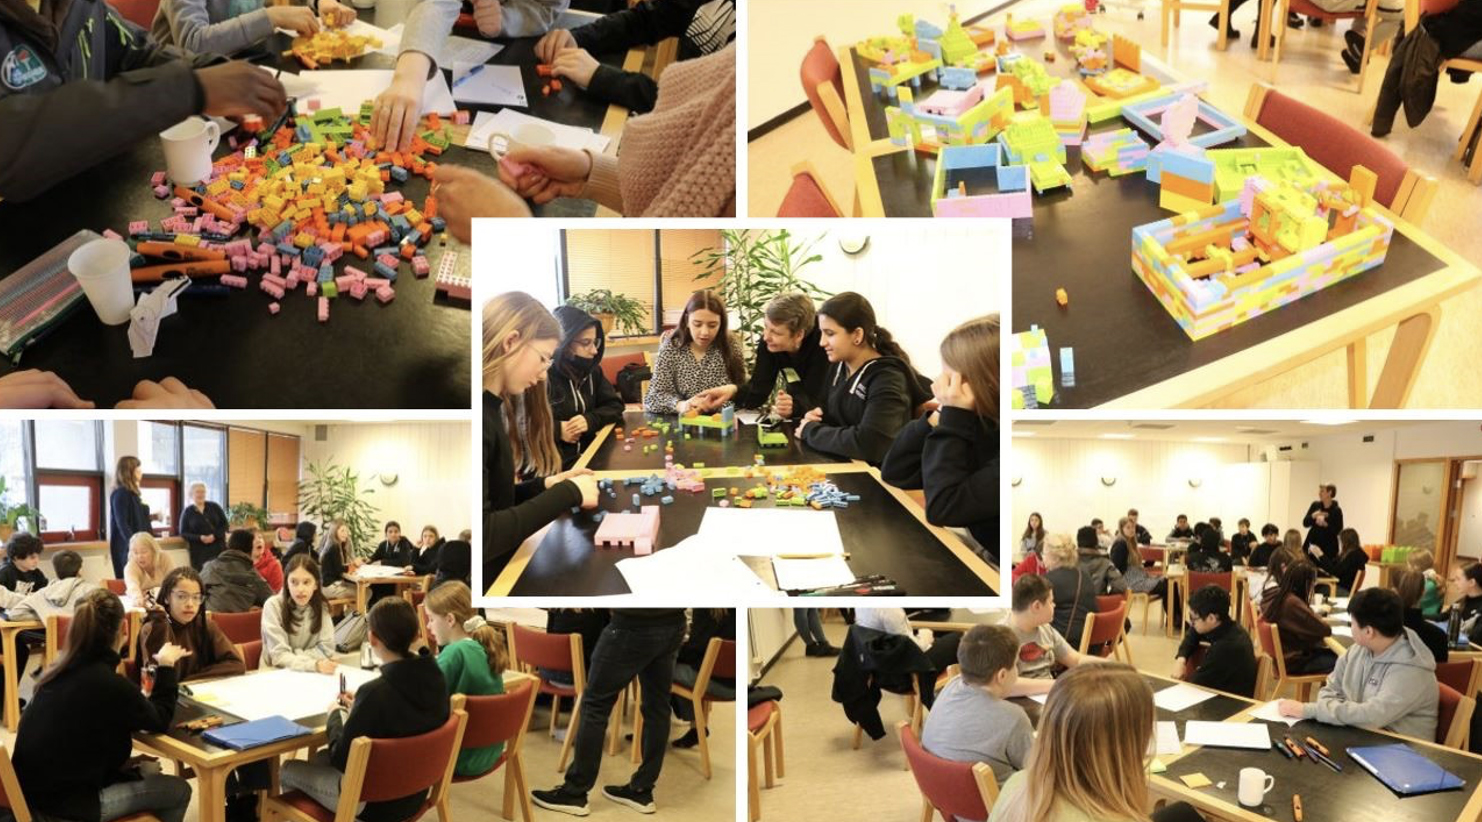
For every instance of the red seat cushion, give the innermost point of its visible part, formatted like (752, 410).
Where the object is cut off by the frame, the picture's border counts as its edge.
(300, 801)
(805, 198)
(612, 366)
(1333, 143)
(758, 716)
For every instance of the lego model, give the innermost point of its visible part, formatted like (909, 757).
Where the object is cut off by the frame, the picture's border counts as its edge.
(1126, 53)
(980, 123)
(1029, 80)
(1286, 164)
(1067, 111)
(957, 77)
(1069, 20)
(1031, 140)
(1020, 30)
(1120, 83)
(1032, 376)
(329, 45)
(449, 282)
(1184, 174)
(1010, 199)
(1090, 56)
(770, 439)
(723, 421)
(621, 529)
(1067, 368)
(1115, 152)
(1223, 128)
(1223, 264)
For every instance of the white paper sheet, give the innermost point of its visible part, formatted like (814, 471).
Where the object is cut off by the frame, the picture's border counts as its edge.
(291, 694)
(375, 571)
(463, 50)
(690, 568)
(1180, 697)
(1253, 735)
(748, 417)
(488, 85)
(1041, 698)
(1343, 630)
(1271, 713)
(505, 120)
(1341, 602)
(771, 531)
(807, 574)
(1344, 617)
(347, 89)
(1165, 740)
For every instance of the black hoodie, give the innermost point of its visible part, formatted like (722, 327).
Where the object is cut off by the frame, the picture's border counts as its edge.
(811, 363)
(865, 410)
(580, 388)
(956, 463)
(513, 511)
(402, 554)
(303, 542)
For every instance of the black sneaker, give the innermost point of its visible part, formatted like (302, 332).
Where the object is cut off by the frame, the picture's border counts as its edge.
(1354, 41)
(561, 800)
(690, 739)
(1231, 32)
(1315, 22)
(1352, 60)
(631, 797)
(1293, 20)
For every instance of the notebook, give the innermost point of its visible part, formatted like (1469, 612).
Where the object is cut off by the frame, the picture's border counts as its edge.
(255, 733)
(1404, 769)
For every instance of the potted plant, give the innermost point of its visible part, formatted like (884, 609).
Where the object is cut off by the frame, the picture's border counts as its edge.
(247, 515)
(616, 312)
(11, 515)
(331, 492)
(750, 268)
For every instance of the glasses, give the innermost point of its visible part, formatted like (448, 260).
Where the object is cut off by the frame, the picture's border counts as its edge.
(186, 598)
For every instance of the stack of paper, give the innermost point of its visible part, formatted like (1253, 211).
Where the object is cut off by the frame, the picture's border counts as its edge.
(692, 568)
(488, 85)
(813, 572)
(772, 531)
(505, 121)
(1252, 735)
(371, 571)
(291, 694)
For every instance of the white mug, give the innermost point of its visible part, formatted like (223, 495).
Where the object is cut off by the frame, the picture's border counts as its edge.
(188, 148)
(532, 135)
(1254, 785)
(102, 268)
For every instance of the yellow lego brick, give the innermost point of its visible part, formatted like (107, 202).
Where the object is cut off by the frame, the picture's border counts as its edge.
(187, 240)
(303, 240)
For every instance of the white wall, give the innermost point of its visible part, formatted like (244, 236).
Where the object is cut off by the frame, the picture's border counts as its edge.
(780, 32)
(769, 629)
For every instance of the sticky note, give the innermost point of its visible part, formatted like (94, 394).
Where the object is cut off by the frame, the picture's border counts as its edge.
(1196, 780)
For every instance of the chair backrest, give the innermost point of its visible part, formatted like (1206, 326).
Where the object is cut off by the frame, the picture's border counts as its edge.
(958, 790)
(1270, 640)
(824, 84)
(1151, 554)
(1103, 629)
(56, 636)
(393, 768)
(554, 652)
(138, 12)
(725, 660)
(251, 653)
(1199, 579)
(807, 197)
(1106, 602)
(1453, 716)
(1358, 580)
(117, 586)
(239, 628)
(10, 790)
(1459, 674)
(1333, 143)
(499, 718)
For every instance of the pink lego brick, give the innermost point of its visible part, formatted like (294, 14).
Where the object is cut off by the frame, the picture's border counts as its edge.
(344, 281)
(274, 279)
(385, 294)
(355, 272)
(622, 529)
(111, 234)
(323, 310)
(376, 237)
(161, 192)
(392, 197)
(374, 283)
(460, 118)
(274, 308)
(312, 288)
(420, 266)
(157, 178)
(314, 104)
(138, 227)
(233, 281)
(239, 264)
(358, 290)
(274, 290)
(275, 265)
(388, 260)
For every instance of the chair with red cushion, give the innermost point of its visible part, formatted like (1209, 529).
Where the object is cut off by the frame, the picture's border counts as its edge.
(251, 654)
(13, 800)
(763, 733)
(956, 790)
(117, 586)
(719, 662)
(1199, 579)
(1453, 717)
(823, 82)
(808, 196)
(1107, 632)
(239, 628)
(380, 770)
(1106, 602)
(495, 719)
(56, 637)
(1459, 674)
(1369, 13)
(537, 651)
(139, 12)
(1270, 641)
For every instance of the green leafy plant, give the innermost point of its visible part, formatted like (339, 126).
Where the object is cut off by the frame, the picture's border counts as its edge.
(331, 492)
(751, 267)
(11, 515)
(625, 312)
(245, 514)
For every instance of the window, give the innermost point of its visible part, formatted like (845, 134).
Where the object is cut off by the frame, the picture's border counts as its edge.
(162, 495)
(652, 267)
(71, 506)
(159, 448)
(676, 246)
(67, 445)
(13, 463)
(205, 461)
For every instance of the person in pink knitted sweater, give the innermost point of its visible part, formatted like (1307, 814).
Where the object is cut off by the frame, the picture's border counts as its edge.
(677, 161)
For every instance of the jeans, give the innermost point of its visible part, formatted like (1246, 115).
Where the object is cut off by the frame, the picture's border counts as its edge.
(809, 625)
(318, 779)
(621, 654)
(164, 796)
(685, 674)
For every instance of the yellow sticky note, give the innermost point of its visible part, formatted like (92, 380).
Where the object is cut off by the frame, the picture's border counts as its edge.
(1196, 780)
(1156, 766)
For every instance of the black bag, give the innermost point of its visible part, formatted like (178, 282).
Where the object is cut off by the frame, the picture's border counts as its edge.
(630, 381)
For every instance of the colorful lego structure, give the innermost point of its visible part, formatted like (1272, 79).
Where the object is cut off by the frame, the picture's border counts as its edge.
(767, 438)
(1020, 30)
(1010, 198)
(1069, 20)
(1115, 152)
(623, 529)
(1286, 164)
(1031, 140)
(1029, 80)
(1184, 174)
(449, 282)
(1223, 128)
(1120, 83)
(723, 421)
(1067, 109)
(1067, 368)
(328, 45)
(957, 77)
(1032, 377)
(980, 123)
(1089, 51)
(1223, 264)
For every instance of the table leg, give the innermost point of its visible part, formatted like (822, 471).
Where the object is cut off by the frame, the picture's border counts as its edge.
(211, 787)
(12, 683)
(1412, 340)
(1173, 586)
(362, 591)
(1358, 373)
(1466, 136)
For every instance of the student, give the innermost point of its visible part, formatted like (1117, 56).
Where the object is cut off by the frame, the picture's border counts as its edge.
(941, 649)
(1242, 542)
(232, 583)
(705, 624)
(520, 338)
(1432, 602)
(701, 26)
(1260, 556)
(409, 698)
(1347, 564)
(303, 542)
(1104, 538)
(790, 339)
(428, 548)
(148, 565)
(1291, 543)
(1205, 555)
(472, 659)
(265, 562)
(1410, 586)
(952, 452)
(336, 560)
(1229, 662)
(1181, 529)
(698, 355)
(58, 598)
(1219, 528)
(1041, 647)
(225, 27)
(1121, 549)
(1075, 591)
(21, 572)
(1104, 576)
(1143, 536)
(297, 629)
(395, 550)
(127, 513)
(639, 643)
(1387, 680)
(1033, 538)
(1302, 631)
(1088, 760)
(582, 399)
(873, 390)
(970, 720)
(1323, 521)
(1136, 577)
(809, 625)
(455, 562)
(75, 740)
(182, 621)
(203, 524)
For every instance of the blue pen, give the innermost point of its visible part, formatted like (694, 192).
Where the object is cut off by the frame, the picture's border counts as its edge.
(471, 72)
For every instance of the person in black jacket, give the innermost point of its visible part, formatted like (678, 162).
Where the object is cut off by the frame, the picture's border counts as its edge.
(303, 541)
(702, 26)
(1260, 556)
(1229, 662)
(337, 559)
(429, 547)
(232, 583)
(705, 624)
(1410, 585)
(1181, 529)
(1242, 541)
(873, 390)
(1144, 537)
(22, 572)
(395, 550)
(455, 561)
(790, 340)
(1324, 520)
(638, 643)
(203, 527)
(75, 738)
(582, 399)
(127, 513)
(1206, 556)
(1350, 560)
(952, 452)
(410, 698)
(520, 339)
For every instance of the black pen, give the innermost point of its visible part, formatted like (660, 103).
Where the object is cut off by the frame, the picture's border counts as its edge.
(1280, 747)
(1323, 759)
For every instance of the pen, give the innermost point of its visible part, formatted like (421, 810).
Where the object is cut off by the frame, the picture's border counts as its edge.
(1296, 749)
(1324, 760)
(471, 72)
(1297, 807)
(1280, 747)
(1318, 745)
(342, 682)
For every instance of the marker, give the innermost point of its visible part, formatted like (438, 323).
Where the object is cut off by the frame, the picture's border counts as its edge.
(1318, 745)
(1297, 807)
(1280, 747)
(342, 682)
(1317, 757)
(1296, 749)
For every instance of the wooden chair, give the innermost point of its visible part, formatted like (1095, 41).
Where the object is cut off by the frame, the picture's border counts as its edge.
(1107, 630)
(1199, 579)
(384, 769)
(1270, 640)
(1370, 14)
(823, 82)
(1414, 10)
(13, 800)
(56, 637)
(239, 628)
(533, 650)
(808, 196)
(1106, 602)
(1453, 717)
(492, 720)
(117, 586)
(1171, 9)
(763, 733)
(956, 790)
(1460, 674)
(251, 654)
(719, 662)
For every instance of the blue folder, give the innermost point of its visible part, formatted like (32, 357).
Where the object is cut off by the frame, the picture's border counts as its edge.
(1406, 771)
(256, 733)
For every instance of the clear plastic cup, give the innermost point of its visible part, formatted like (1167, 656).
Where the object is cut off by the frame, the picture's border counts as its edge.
(102, 268)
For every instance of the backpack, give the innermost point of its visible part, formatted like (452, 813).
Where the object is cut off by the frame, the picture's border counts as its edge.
(350, 633)
(630, 381)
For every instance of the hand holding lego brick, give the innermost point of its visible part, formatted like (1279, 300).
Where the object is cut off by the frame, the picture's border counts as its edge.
(576, 65)
(336, 14)
(951, 390)
(551, 43)
(463, 194)
(782, 406)
(399, 107)
(584, 482)
(489, 16)
(38, 389)
(553, 172)
(237, 89)
(167, 393)
(298, 19)
(712, 398)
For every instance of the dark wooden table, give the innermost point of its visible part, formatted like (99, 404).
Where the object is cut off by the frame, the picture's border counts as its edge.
(606, 451)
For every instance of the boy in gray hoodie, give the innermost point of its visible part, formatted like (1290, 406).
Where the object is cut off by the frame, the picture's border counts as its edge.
(58, 598)
(1386, 680)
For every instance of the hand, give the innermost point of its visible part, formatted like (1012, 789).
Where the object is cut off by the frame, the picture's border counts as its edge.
(575, 65)
(556, 479)
(711, 399)
(399, 107)
(38, 389)
(237, 89)
(208, 539)
(1321, 518)
(1314, 551)
(782, 406)
(1290, 707)
(463, 194)
(167, 393)
(952, 390)
(551, 43)
(587, 484)
(298, 19)
(336, 14)
(326, 666)
(169, 654)
(553, 172)
(572, 429)
(933, 418)
(1178, 668)
(345, 701)
(407, 569)
(489, 15)
(816, 415)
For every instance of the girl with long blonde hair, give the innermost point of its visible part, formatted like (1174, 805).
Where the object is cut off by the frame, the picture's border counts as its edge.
(472, 657)
(520, 338)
